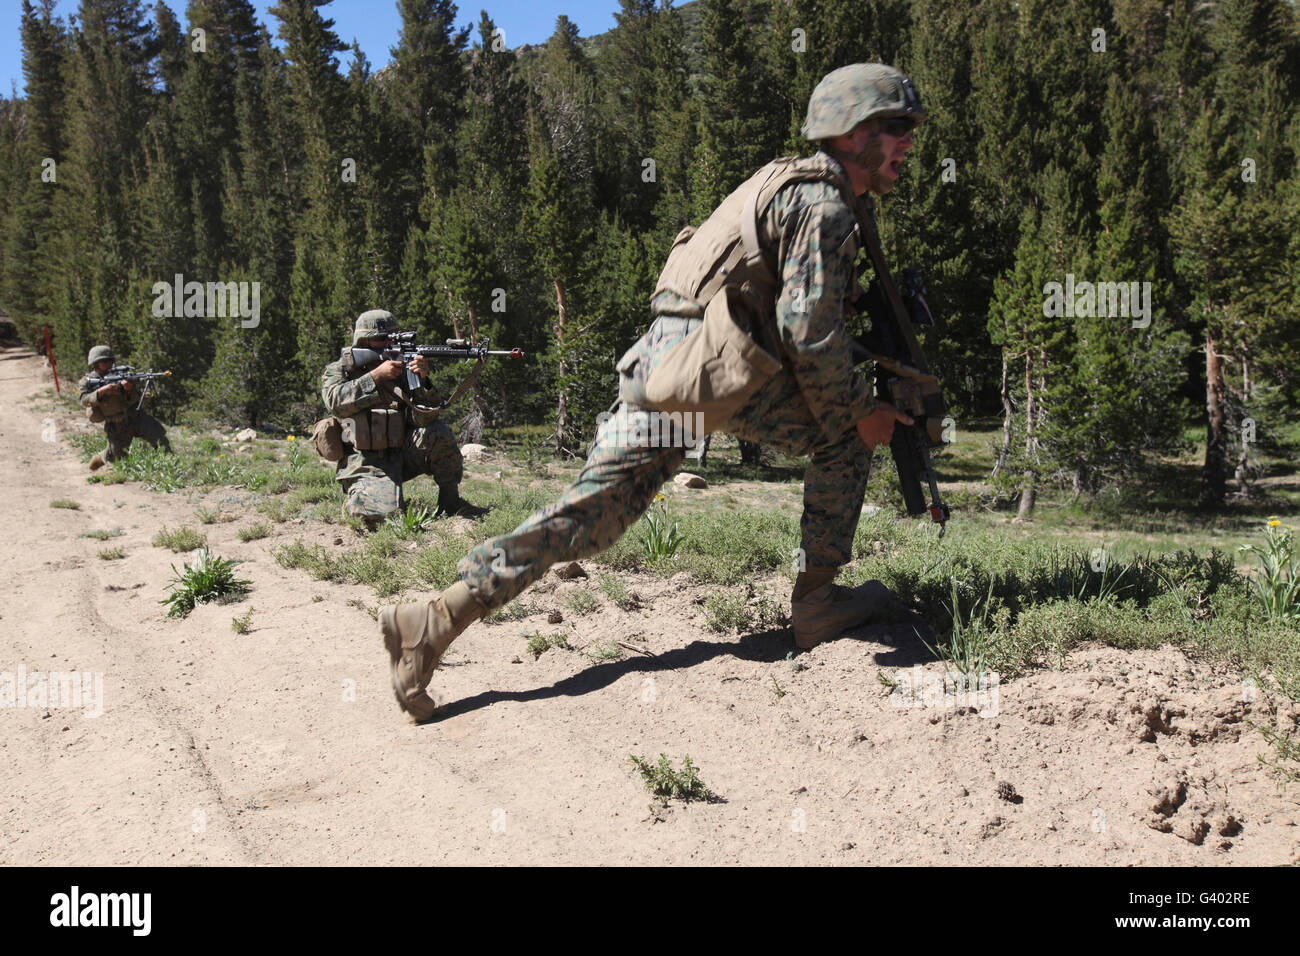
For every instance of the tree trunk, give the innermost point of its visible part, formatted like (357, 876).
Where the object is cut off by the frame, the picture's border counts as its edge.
(1243, 472)
(1029, 492)
(473, 324)
(1213, 475)
(1005, 449)
(751, 452)
(562, 407)
(455, 314)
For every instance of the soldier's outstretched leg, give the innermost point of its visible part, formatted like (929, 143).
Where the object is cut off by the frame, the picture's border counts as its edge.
(617, 485)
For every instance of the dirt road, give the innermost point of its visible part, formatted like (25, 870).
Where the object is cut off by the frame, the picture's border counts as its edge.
(284, 745)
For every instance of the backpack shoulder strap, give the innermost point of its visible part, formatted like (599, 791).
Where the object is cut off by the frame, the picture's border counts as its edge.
(783, 172)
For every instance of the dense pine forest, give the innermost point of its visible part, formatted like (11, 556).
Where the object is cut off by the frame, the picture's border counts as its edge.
(1074, 152)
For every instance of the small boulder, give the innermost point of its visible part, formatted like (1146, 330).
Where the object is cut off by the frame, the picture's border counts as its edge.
(570, 571)
(248, 434)
(688, 480)
(472, 452)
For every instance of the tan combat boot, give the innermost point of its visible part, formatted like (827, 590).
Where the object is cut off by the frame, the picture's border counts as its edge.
(823, 610)
(97, 462)
(417, 635)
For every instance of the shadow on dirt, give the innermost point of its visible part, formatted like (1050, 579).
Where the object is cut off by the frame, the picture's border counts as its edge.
(764, 647)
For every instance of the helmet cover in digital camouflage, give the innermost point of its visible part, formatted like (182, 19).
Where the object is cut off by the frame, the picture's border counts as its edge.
(100, 353)
(848, 96)
(372, 325)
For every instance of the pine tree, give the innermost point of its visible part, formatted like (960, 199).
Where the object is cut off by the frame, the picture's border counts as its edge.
(1037, 347)
(321, 282)
(38, 135)
(427, 86)
(732, 142)
(94, 243)
(1125, 408)
(626, 71)
(674, 130)
(254, 378)
(927, 220)
(560, 207)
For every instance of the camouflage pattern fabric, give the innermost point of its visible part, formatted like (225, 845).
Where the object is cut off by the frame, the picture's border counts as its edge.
(138, 424)
(373, 480)
(811, 407)
(123, 423)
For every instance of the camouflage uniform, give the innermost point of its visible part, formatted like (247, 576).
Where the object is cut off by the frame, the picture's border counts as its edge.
(373, 479)
(768, 275)
(810, 407)
(123, 421)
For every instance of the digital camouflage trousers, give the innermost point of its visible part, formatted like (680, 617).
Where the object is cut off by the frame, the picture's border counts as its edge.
(622, 476)
(374, 481)
(135, 424)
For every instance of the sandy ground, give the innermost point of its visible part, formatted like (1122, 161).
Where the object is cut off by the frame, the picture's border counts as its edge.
(284, 745)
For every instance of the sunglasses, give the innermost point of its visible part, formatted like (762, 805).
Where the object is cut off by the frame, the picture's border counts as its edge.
(897, 125)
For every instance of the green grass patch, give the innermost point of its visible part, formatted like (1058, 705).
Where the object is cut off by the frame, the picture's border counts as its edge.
(112, 554)
(582, 602)
(602, 651)
(243, 623)
(737, 611)
(67, 503)
(182, 539)
(614, 589)
(539, 643)
(412, 522)
(207, 579)
(88, 444)
(255, 531)
(514, 611)
(664, 781)
(213, 515)
(101, 534)
(277, 509)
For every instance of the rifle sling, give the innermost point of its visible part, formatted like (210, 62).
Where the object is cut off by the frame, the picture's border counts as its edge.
(891, 292)
(390, 391)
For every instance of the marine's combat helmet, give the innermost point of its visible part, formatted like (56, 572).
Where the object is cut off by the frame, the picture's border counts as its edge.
(373, 324)
(99, 353)
(851, 94)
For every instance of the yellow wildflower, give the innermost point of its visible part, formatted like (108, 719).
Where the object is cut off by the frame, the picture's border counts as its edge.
(661, 497)
(1274, 523)
(291, 438)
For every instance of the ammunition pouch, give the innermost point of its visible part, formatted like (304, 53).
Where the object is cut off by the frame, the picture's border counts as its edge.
(327, 436)
(375, 429)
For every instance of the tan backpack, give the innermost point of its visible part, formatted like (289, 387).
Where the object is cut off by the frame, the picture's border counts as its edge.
(719, 365)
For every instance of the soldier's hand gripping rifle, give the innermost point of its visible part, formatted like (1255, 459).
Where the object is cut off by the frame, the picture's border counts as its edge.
(402, 348)
(904, 380)
(120, 375)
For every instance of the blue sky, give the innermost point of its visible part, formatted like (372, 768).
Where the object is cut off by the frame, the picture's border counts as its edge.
(374, 24)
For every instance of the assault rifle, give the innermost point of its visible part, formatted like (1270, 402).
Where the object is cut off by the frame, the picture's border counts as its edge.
(904, 380)
(120, 375)
(402, 348)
